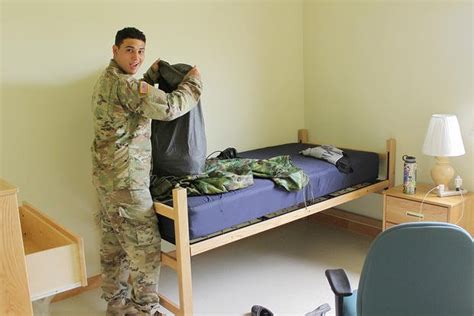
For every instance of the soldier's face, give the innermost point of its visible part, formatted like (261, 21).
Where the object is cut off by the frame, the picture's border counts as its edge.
(129, 55)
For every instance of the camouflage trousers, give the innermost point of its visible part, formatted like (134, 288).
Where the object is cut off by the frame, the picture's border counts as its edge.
(130, 247)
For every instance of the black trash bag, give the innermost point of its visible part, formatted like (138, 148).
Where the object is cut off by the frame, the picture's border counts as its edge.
(178, 147)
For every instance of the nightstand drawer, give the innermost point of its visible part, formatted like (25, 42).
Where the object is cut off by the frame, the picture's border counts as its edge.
(402, 211)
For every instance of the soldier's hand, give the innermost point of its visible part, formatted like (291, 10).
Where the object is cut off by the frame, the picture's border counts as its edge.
(194, 72)
(155, 65)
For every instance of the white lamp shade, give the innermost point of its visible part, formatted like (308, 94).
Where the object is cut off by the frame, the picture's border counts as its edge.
(443, 138)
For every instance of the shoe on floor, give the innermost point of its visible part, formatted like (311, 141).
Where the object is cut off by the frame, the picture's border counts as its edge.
(320, 311)
(125, 307)
(258, 310)
(136, 312)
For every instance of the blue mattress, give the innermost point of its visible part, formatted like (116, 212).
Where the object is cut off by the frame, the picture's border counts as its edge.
(209, 214)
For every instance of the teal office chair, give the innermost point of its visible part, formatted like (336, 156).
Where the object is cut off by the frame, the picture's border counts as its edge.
(422, 268)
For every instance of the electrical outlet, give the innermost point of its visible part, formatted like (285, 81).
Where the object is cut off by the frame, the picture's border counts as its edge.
(443, 193)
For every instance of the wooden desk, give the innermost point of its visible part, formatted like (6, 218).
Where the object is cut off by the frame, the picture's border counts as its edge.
(40, 258)
(15, 295)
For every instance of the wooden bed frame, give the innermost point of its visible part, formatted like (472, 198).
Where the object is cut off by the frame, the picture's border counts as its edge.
(180, 259)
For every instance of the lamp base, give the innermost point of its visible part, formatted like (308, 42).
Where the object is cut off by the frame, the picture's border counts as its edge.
(442, 172)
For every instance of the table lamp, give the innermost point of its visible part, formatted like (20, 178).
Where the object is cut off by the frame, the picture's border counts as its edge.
(443, 139)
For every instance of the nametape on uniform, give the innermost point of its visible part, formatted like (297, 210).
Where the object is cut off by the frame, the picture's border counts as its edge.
(143, 87)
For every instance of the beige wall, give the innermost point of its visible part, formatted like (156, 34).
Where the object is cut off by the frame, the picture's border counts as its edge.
(379, 69)
(52, 53)
(372, 70)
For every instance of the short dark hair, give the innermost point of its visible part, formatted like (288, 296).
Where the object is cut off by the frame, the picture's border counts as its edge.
(129, 32)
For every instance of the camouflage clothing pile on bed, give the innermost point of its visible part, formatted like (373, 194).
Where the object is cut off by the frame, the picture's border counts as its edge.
(226, 175)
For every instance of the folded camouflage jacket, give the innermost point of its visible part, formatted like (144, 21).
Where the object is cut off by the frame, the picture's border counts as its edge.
(226, 175)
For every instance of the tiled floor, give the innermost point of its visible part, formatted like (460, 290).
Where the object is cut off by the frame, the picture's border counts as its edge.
(281, 269)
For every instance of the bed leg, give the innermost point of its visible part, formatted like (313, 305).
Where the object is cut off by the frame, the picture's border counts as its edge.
(391, 159)
(183, 253)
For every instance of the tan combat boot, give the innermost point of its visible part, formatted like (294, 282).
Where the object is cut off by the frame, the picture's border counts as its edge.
(135, 312)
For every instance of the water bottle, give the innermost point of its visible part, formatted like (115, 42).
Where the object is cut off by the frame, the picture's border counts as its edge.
(409, 174)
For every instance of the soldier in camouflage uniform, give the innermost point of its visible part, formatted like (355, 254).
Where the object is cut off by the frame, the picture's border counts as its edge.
(122, 108)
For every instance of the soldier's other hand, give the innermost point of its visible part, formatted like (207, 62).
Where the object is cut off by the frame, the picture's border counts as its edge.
(155, 65)
(194, 72)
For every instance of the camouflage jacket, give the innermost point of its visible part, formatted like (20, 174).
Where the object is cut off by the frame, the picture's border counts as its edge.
(122, 108)
(226, 175)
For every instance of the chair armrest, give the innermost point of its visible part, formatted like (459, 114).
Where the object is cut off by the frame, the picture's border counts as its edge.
(339, 282)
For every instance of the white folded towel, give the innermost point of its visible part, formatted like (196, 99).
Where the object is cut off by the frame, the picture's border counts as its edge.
(327, 152)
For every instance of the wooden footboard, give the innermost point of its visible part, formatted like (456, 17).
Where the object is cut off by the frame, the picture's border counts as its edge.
(180, 259)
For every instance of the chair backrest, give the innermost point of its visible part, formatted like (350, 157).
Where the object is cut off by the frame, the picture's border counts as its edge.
(422, 268)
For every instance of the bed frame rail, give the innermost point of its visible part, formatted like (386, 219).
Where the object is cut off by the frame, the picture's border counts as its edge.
(291, 216)
(180, 259)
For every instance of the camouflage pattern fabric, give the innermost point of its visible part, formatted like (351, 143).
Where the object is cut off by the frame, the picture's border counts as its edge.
(226, 175)
(122, 109)
(130, 246)
(282, 171)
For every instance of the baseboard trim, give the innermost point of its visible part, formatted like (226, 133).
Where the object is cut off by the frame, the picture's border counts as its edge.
(334, 217)
(92, 283)
(349, 221)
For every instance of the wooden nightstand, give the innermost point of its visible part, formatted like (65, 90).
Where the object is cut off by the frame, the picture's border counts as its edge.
(401, 208)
